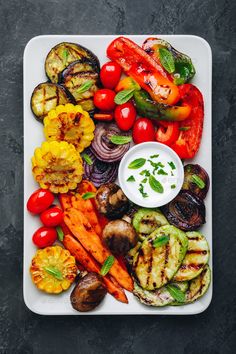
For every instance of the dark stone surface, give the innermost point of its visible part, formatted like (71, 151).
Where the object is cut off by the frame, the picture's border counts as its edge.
(20, 330)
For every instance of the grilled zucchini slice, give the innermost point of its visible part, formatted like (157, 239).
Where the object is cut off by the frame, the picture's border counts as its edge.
(75, 76)
(197, 287)
(158, 298)
(47, 96)
(64, 54)
(146, 220)
(196, 257)
(153, 267)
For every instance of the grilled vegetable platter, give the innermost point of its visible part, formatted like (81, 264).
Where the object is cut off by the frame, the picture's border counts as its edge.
(92, 242)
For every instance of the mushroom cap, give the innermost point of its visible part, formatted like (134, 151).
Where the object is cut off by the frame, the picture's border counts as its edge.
(119, 236)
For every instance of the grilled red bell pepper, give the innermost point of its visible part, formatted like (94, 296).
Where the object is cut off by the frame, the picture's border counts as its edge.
(167, 133)
(144, 70)
(188, 142)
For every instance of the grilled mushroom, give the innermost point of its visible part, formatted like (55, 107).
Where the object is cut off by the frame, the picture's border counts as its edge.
(119, 236)
(88, 293)
(111, 201)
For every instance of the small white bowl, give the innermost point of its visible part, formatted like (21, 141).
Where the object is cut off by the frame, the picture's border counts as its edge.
(131, 189)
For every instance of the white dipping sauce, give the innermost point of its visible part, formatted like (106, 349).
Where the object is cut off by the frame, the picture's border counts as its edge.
(174, 177)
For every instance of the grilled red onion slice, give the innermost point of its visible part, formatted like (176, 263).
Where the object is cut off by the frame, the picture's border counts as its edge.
(100, 172)
(186, 211)
(103, 148)
(191, 171)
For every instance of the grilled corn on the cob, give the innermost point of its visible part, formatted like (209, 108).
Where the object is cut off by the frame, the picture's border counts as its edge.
(69, 123)
(57, 166)
(53, 269)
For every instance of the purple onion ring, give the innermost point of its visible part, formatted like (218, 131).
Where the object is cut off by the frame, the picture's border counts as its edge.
(103, 148)
(100, 172)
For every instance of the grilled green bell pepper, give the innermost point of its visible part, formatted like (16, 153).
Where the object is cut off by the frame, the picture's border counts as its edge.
(183, 68)
(152, 109)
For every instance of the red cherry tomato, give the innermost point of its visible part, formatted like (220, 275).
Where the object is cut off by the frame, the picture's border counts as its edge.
(44, 237)
(52, 217)
(125, 115)
(104, 99)
(143, 130)
(110, 74)
(39, 201)
(168, 133)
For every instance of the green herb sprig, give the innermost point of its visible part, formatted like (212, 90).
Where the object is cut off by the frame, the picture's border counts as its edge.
(124, 96)
(120, 139)
(161, 241)
(107, 265)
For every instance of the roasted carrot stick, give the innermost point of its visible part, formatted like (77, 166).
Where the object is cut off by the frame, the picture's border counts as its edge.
(65, 200)
(82, 256)
(86, 186)
(87, 208)
(83, 231)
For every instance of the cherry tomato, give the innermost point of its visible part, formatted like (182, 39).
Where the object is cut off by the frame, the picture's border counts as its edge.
(125, 115)
(39, 201)
(143, 130)
(52, 217)
(44, 237)
(104, 99)
(110, 74)
(168, 132)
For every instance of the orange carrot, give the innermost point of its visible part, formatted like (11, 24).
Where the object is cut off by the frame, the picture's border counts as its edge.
(86, 207)
(83, 231)
(84, 258)
(65, 200)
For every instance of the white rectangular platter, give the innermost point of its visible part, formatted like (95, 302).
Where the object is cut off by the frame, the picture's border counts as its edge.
(34, 56)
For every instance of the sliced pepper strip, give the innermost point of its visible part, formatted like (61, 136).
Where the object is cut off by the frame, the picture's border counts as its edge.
(188, 142)
(144, 70)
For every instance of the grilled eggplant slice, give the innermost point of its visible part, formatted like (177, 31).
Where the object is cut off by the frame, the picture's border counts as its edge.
(64, 54)
(77, 75)
(197, 287)
(196, 257)
(146, 221)
(158, 298)
(196, 180)
(47, 96)
(154, 266)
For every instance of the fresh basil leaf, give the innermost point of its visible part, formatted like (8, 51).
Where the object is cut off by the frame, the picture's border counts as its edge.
(144, 180)
(65, 55)
(145, 173)
(156, 165)
(162, 172)
(198, 181)
(172, 165)
(85, 87)
(87, 159)
(60, 233)
(141, 190)
(184, 128)
(120, 139)
(88, 195)
(54, 272)
(153, 156)
(137, 163)
(131, 179)
(124, 96)
(107, 265)
(161, 241)
(176, 293)
(167, 60)
(173, 186)
(155, 184)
